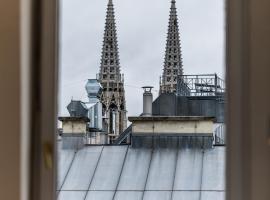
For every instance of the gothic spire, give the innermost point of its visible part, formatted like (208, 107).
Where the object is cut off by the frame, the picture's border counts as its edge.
(173, 61)
(113, 92)
(110, 67)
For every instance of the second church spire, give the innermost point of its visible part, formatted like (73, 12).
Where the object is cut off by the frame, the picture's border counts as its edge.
(173, 59)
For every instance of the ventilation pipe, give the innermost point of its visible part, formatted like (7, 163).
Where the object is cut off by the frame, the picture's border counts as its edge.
(147, 101)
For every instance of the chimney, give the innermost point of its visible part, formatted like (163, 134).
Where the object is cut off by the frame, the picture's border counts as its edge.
(74, 132)
(147, 101)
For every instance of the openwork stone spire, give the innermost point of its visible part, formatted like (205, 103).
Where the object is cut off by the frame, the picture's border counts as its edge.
(112, 81)
(173, 61)
(110, 68)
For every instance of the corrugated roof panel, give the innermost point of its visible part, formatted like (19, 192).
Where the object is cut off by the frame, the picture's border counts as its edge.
(82, 169)
(71, 195)
(135, 169)
(184, 195)
(65, 158)
(213, 195)
(214, 169)
(109, 168)
(189, 169)
(157, 195)
(162, 169)
(99, 195)
(130, 195)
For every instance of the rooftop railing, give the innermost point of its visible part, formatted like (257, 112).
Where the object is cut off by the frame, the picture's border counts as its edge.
(200, 85)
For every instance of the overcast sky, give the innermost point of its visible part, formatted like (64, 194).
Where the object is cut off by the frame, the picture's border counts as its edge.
(141, 30)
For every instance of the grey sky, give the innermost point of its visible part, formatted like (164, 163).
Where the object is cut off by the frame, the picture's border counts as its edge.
(141, 29)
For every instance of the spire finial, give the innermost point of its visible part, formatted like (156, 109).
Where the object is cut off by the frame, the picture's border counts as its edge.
(173, 4)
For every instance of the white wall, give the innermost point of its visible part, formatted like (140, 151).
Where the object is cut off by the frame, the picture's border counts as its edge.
(171, 127)
(74, 127)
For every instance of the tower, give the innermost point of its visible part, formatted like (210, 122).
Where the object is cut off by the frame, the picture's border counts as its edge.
(112, 81)
(173, 62)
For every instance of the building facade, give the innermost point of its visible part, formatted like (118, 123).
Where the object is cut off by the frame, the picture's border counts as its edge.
(111, 79)
(173, 66)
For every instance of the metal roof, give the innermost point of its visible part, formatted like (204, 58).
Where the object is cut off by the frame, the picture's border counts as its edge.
(124, 172)
(74, 118)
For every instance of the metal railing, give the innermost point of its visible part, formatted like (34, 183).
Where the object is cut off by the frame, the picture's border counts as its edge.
(123, 135)
(200, 85)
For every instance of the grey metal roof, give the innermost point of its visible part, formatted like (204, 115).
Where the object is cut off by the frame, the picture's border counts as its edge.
(125, 172)
(77, 108)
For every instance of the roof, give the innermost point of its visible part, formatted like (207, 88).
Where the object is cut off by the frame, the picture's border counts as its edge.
(77, 108)
(124, 172)
(171, 118)
(85, 119)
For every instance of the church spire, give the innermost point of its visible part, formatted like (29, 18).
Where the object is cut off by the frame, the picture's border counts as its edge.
(173, 62)
(110, 67)
(112, 81)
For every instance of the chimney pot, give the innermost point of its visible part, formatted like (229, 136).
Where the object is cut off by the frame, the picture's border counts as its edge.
(147, 100)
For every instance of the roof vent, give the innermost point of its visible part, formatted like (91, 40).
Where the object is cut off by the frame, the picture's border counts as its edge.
(147, 101)
(94, 90)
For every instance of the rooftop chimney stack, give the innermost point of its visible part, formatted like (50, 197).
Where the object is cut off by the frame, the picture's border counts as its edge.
(147, 101)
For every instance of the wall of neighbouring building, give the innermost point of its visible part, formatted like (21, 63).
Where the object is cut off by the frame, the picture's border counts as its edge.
(172, 105)
(173, 127)
(74, 127)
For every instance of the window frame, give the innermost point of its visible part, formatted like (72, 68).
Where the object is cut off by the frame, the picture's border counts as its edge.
(44, 72)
